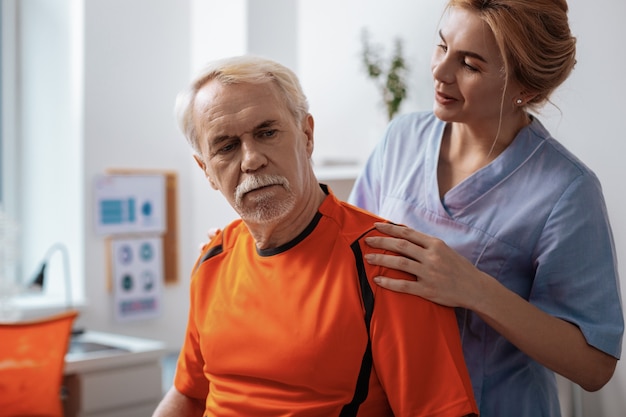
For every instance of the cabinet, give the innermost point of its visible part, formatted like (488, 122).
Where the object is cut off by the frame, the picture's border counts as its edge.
(109, 375)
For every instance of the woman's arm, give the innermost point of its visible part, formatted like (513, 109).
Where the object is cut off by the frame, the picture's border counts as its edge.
(176, 404)
(555, 343)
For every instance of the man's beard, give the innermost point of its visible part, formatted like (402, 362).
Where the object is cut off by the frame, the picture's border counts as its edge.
(263, 207)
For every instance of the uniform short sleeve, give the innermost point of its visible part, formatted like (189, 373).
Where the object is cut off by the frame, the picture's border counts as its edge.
(576, 268)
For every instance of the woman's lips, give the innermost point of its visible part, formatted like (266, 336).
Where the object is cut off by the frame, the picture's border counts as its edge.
(444, 98)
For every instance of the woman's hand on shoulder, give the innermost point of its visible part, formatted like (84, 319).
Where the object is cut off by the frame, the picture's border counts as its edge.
(442, 275)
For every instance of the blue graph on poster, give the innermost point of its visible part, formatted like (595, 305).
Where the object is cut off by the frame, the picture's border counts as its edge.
(130, 204)
(118, 211)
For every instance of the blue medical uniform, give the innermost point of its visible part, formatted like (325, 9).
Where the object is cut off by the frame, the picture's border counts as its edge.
(534, 219)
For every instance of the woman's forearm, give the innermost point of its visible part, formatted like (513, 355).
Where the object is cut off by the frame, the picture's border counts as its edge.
(551, 341)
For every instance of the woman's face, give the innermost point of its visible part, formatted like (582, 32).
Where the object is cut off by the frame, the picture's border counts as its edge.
(468, 72)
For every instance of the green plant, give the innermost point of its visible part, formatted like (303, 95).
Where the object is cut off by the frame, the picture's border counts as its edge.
(391, 78)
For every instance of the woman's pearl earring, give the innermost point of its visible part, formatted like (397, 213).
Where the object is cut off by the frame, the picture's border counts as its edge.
(518, 101)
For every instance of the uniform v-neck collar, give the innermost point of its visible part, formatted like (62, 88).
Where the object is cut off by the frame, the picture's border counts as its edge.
(461, 197)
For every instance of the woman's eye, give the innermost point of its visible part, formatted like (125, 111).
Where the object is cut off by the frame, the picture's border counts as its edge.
(470, 67)
(443, 47)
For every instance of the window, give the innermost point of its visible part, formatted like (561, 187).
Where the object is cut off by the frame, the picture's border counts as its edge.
(40, 140)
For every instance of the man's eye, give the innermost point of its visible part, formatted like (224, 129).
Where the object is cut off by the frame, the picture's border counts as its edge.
(267, 133)
(227, 148)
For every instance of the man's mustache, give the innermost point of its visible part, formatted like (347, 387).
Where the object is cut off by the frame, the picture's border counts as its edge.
(259, 181)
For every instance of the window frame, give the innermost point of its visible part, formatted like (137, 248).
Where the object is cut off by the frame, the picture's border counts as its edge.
(9, 145)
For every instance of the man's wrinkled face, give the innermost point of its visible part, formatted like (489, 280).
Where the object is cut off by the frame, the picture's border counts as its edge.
(252, 149)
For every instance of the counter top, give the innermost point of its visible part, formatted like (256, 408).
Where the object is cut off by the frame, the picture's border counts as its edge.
(93, 351)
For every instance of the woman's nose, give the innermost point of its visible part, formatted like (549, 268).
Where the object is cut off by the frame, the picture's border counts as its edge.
(442, 69)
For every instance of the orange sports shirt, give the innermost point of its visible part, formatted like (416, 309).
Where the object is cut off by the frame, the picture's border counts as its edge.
(301, 330)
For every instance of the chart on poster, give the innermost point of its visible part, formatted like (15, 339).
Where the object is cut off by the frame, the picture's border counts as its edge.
(137, 268)
(130, 204)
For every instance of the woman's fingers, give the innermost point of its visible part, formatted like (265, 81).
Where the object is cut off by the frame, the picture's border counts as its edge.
(399, 285)
(399, 262)
(401, 240)
(396, 245)
(402, 232)
(211, 233)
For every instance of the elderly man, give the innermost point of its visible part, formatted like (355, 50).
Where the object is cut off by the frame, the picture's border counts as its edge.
(285, 319)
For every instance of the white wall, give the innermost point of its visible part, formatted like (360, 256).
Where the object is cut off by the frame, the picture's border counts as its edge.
(346, 104)
(137, 57)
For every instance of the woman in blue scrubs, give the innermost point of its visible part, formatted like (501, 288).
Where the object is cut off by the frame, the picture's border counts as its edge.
(503, 222)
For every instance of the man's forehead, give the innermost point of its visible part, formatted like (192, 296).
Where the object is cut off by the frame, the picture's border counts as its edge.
(215, 91)
(215, 100)
(246, 120)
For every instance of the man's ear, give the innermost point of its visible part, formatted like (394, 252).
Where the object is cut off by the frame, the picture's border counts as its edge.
(308, 127)
(202, 166)
(200, 162)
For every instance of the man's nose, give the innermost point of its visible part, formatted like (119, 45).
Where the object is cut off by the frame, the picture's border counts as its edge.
(252, 157)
